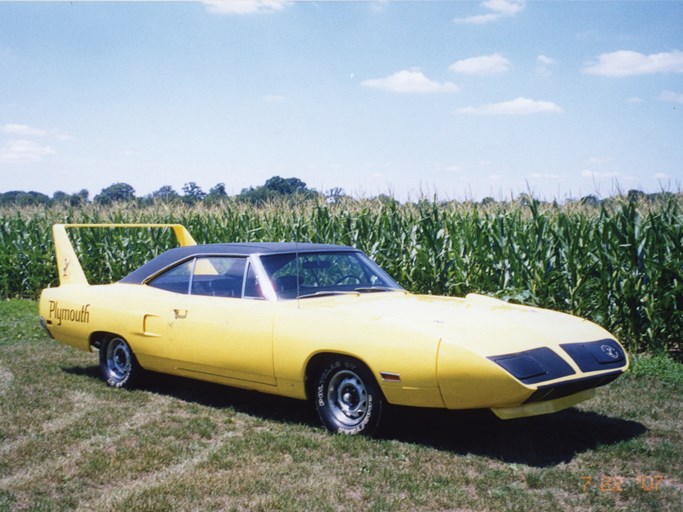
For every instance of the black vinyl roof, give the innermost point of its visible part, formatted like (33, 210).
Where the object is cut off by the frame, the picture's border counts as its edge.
(173, 256)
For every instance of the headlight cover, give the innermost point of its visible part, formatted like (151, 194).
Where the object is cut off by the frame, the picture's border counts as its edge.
(532, 366)
(596, 355)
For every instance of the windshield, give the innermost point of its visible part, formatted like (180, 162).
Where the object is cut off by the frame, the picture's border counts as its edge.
(325, 273)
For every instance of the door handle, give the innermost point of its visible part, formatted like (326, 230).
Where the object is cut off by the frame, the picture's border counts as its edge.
(180, 313)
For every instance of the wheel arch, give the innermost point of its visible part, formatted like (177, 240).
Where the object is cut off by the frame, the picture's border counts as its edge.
(318, 361)
(96, 338)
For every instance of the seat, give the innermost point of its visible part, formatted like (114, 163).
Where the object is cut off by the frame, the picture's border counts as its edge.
(287, 283)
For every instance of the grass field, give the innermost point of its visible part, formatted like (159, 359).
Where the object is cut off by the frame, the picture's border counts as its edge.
(67, 442)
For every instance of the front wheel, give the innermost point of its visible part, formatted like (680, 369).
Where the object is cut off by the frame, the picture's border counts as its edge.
(347, 397)
(118, 365)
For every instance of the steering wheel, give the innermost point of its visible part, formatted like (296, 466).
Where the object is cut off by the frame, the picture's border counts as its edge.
(346, 277)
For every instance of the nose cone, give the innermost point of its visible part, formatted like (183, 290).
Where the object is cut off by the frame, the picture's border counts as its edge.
(501, 355)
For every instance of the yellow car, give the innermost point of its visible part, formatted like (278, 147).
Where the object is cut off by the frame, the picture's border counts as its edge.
(324, 323)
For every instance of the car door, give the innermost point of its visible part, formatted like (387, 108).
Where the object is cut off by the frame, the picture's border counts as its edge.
(215, 330)
(154, 306)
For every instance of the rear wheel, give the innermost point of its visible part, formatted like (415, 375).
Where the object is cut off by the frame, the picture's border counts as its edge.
(118, 365)
(347, 397)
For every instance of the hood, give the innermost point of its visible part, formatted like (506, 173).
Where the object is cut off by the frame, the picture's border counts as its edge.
(481, 324)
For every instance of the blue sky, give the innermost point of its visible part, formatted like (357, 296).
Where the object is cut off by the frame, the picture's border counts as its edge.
(459, 99)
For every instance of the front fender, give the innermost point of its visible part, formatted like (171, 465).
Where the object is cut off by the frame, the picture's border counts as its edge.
(468, 380)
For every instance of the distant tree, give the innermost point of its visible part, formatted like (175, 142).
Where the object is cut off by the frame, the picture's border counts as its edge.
(385, 199)
(277, 187)
(21, 198)
(114, 193)
(164, 194)
(193, 193)
(487, 201)
(217, 192)
(661, 196)
(8, 198)
(76, 199)
(635, 195)
(258, 195)
(285, 186)
(37, 198)
(335, 195)
(590, 200)
(83, 194)
(61, 197)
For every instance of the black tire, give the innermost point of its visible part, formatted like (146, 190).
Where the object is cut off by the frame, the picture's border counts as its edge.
(347, 397)
(118, 365)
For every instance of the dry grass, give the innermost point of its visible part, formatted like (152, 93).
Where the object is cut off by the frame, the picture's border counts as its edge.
(67, 442)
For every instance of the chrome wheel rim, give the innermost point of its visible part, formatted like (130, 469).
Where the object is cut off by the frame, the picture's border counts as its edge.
(348, 398)
(119, 359)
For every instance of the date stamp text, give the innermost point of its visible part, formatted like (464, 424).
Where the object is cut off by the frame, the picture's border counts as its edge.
(611, 483)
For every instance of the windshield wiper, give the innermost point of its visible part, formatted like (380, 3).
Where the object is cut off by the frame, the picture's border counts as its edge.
(326, 293)
(366, 289)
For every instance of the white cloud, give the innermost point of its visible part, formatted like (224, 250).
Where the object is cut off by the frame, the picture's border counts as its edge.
(63, 137)
(599, 159)
(634, 99)
(483, 65)
(480, 19)
(541, 176)
(661, 176)
(519, 106)
(500, 8)
(245, 6)
(544, 65)
(671, 97)
(628, 63)
(380, 5)
(507, 7)
(587, 173)
(22, 130)
(409, 81)
(24, 151)
(452, 168)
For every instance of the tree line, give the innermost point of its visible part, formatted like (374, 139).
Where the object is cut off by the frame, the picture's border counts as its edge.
(273, 189)
(191, 193)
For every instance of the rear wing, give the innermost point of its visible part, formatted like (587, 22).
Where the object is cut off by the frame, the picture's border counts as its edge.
(70, 269)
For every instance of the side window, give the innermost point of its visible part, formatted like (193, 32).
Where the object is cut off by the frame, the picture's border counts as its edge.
(252, 288)
(176, 279)
(219, 276)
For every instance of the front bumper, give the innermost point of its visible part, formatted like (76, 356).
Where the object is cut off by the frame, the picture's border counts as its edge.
(513, 384)
(542, 365)
(546, 407)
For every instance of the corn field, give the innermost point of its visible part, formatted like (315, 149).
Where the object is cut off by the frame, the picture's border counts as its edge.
(619, 264)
